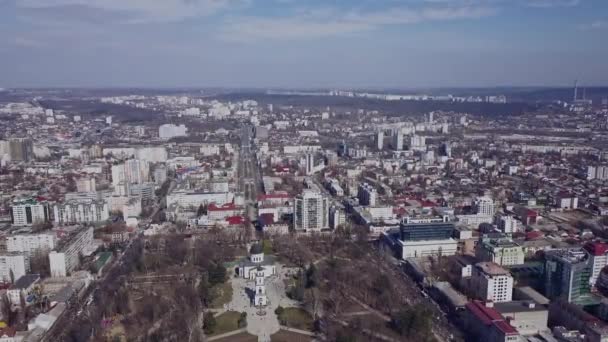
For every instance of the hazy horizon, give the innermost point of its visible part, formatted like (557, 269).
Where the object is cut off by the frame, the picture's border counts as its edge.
(360, 44)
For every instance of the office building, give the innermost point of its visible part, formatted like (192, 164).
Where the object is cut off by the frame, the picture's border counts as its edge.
(64, 260)
(567, 274)
(86, 211)
(500, 250)
(29, 212)
(311, 211)
(598, 259)
(422, 237)
(13, 266)
(491, 282)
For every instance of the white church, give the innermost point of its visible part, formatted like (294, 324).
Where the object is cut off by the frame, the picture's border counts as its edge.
(257, 263)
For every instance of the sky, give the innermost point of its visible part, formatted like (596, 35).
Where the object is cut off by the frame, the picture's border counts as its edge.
(303, 43)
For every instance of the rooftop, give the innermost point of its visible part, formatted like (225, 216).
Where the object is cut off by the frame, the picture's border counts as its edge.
(491, 268)
(25, 281)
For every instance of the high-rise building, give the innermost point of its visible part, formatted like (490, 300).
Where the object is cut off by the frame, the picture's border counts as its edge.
(311, 211)
(485, 206)
(310, 163)
(367, 194)
(132, 171)
(491, 282)
(398, 141)
(507, 224)
(597, 172)
(29, 212)
(336, 217)
(598, 259)
(21, 149)
(417, 142)
(380, 140)
(567, 274)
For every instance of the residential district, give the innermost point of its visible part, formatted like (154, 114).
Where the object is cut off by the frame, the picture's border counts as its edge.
(297, 216)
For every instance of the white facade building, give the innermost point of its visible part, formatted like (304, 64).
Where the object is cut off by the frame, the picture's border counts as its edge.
(507, 224)
(311, 211)
(168, 131)
(30, 243)
(66, 258)
(485, 206)
(13, 266)
(492, 283)
(81, 212)
(30, 212)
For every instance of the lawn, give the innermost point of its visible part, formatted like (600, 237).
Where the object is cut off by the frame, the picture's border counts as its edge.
(226, 322)
(288, 336)
(296, 318)
(223, 295)
(267, 247)
(242, 337)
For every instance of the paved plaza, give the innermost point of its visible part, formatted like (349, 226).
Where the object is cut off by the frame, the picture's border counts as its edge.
(265, 325)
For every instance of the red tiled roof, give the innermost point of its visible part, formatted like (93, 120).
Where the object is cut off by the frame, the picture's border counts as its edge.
(490, 316)
(234, 220)
(596, 248)
(533, 235)
(505, 327)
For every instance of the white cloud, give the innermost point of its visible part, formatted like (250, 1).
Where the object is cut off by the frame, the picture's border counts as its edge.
(596, 25)
(552, 3)
(331, 23)
(145, 10)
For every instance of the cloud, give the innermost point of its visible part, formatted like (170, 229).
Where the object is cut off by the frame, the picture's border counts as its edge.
(552, 3)
(144, 10)
(596, 25)
(28, 43)
(331, 23)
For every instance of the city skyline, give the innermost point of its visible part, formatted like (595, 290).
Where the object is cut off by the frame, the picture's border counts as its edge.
(283, 43)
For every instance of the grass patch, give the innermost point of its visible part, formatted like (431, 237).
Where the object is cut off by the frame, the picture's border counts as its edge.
(226, 322)
(289, 336)
(222, 295)
(242, 337)
(296, 318)
(267, 245)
